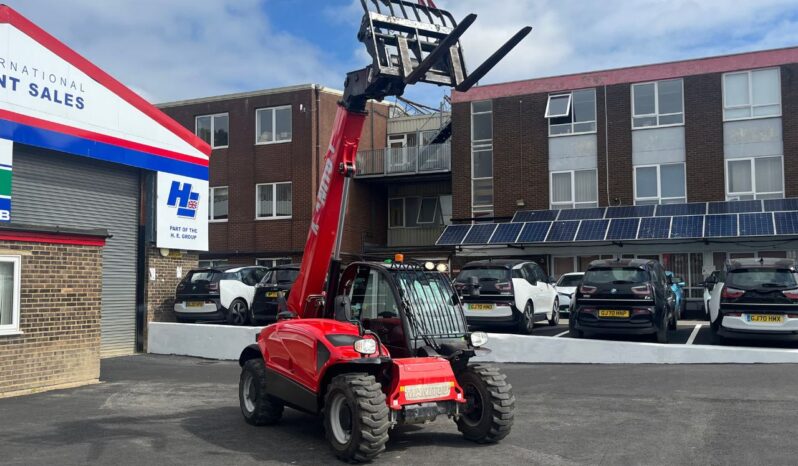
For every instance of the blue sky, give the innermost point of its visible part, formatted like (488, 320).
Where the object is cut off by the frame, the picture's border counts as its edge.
(178, 49)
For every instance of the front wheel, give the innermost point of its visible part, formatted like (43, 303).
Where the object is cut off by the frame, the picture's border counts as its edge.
(258, 408)
(356, 417)
(490, 404)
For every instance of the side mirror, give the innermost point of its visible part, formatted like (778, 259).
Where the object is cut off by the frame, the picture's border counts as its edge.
(343, 308)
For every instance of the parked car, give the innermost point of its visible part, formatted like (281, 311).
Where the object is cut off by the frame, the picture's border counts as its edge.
(710, 291)
(510, 293)
(566, 287)
(272, 290)
(677, 286)
(623, 296)
(217, 294)
(758, 298)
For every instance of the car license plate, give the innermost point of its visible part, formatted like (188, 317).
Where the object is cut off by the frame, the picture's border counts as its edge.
(271, 294)
(194, 303)
(480, 307)
(765, 318)
(613, 313)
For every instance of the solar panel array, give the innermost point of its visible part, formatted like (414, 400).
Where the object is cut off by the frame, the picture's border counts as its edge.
(771, 217)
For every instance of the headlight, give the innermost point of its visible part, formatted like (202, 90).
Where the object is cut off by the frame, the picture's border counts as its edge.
(366, 346)
(478, 339)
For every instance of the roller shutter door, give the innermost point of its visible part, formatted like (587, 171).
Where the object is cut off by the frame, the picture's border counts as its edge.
(52, 189)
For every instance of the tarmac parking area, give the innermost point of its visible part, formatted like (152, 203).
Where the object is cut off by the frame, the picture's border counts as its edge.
(176, 410)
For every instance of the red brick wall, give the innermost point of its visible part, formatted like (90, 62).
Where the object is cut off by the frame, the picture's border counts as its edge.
(461, 161)
(161, 291)
(60, 307)
(703, 137)
(789, 118)
(601, 149)
(619, 141)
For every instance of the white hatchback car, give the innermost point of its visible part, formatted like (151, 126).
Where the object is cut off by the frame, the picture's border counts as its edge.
(508, 293)
(566, 287)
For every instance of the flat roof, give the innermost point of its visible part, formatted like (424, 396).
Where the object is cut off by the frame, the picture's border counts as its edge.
(632, 74)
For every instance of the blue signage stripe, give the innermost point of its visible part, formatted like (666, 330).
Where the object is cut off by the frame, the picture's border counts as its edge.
(47, 139)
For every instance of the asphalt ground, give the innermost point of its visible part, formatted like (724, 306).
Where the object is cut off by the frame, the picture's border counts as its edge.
(170, 410)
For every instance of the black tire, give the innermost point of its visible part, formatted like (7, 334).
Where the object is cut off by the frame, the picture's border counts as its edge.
(258, 408)
(673, 322)
(238, 312)
(662, 331)
(490, 404)
(555, 313)
(527, 321)
(572, 331)
(356, 417)
(714, 329)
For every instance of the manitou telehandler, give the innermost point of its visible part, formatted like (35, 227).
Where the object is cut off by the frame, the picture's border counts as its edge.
(382, 344)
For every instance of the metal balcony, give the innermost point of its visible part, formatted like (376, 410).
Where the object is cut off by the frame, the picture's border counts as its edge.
(434, 158)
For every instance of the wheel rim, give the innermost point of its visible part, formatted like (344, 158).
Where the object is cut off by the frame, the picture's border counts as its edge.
(250, 395)
(237, 311)
(474, 408)
(341, 419)
(555, 313)
(530, 317)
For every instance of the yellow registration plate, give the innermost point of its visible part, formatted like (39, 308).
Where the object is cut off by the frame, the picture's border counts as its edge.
(271, 294)
(613, 313)
(194, 304)
(480, 307)
(766, 318)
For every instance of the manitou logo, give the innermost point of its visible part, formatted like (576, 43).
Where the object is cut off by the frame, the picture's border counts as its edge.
(182, 197)
(324, 188)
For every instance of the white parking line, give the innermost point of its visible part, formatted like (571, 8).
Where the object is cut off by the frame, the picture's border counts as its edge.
(561, 334)
(694, 334)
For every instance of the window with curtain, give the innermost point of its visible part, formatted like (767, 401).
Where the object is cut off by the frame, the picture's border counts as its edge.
(657, 104)
(9, 294)
(219, 204)
(660, 184)
(755, 178)
(482, 158)
(752, 94)
(574, 189)
(273, 125)
(274, 200)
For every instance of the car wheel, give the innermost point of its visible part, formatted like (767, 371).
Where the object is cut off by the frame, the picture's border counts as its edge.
(527, 321)
(572, 331)
(673, 322)
(662, 330)
(714, 328)
(238, 312)
(555, 313)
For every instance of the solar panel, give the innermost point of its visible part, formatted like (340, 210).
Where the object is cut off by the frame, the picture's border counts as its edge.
(772, 205)
(453, 235)
(687, 227)
(623, 228)
(535, 216)
(654, 228)
(480, 233)
(786, 223)
(671, 210)
(720, 225)
(581, 214)
(506, 233)
(592, 230)
(760, 224)
(734, 207)
(562, 231)
(534, 232)
(630, 211)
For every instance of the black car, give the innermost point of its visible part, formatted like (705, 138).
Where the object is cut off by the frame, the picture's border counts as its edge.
(268, 293)
(758, 299)
(623, 296)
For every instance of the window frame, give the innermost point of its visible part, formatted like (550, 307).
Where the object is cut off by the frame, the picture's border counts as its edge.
(659, 197)
(14, 327)
(753, 192)
(571, 114)
(437, 214)
(656, 113)
(212, 196)
(751, 96)
(274, 124)
(275, 261)
(481, 145)
(568, 109)
(213, 117)
(437, 201)
(273, 184)
(573, 203)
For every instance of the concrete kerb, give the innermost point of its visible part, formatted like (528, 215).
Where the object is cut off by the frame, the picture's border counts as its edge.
(226, 342)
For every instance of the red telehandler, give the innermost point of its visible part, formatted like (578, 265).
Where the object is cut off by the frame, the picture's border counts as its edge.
(382, 344)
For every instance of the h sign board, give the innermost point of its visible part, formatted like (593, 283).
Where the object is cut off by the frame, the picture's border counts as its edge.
(182, 210)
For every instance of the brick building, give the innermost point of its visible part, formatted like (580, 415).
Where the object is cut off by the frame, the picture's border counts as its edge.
(708, 130)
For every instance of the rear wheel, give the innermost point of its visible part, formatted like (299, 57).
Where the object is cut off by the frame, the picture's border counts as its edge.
(527, 321)
(572, 330)
(258, 408)
(662, 330)
(490, 404)
(238, 312)
(714, 328)
(555, 313)
(356, 415)
(673, 322)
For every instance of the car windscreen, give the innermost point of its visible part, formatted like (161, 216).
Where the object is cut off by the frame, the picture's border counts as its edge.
(197, 276)
(615, 276)
(286, 276)
(483, 274)
(761, 278)
(570, 280)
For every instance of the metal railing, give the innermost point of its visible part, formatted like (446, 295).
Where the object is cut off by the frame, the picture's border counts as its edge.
(405, 160)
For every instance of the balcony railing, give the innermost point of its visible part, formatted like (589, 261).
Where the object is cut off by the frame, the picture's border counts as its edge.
(405, 160)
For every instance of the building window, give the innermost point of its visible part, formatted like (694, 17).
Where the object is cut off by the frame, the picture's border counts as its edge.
(751, 94)
(219, 201)
(9, 294)
(412, 212)
(273, 201)
(659, 103)
(574, 189)
(213, 129)
(755, 178)
(273, 125)
(272, 261)
(572, 113)
(482, 159)
(660, 184)
(212, 263)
